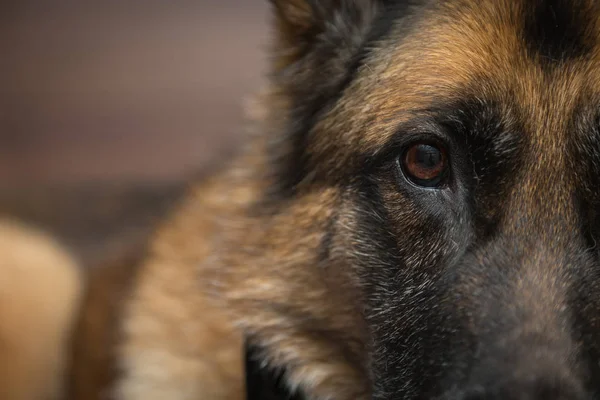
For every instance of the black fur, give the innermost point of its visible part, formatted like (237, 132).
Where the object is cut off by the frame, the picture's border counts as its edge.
(264, 383)
(489, 139)
(403, 345)
(556, 30)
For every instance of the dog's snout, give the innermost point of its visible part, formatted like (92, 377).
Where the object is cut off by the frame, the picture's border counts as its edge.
(521, 341)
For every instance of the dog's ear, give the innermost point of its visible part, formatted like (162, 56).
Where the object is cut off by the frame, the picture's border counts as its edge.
(317, 44)
(318, 37)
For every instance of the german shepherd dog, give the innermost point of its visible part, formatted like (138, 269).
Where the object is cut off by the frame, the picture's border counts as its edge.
(415, 216)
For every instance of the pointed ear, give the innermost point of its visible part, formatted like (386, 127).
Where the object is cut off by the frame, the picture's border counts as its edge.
(317, 46)
(318, 36)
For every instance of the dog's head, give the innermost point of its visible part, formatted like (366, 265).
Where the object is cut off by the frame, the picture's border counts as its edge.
(462, 142)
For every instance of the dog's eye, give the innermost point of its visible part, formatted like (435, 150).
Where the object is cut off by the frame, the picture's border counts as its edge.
(424, 164)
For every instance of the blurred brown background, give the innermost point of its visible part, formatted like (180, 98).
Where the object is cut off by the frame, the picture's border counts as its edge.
(123, 89)
(105, 105)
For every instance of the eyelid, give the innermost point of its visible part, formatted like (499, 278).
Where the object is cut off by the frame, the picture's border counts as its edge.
(415, 130)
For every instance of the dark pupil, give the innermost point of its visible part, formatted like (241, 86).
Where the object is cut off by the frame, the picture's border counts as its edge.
(428, 156)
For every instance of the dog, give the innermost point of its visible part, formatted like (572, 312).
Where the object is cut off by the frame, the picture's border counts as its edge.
(414, 216)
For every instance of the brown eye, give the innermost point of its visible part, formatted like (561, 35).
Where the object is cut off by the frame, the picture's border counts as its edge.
(425, 164)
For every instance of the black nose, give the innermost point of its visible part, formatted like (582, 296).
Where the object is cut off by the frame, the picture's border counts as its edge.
(539, 388)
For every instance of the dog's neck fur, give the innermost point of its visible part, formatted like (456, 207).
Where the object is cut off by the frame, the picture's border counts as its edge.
(264, 383)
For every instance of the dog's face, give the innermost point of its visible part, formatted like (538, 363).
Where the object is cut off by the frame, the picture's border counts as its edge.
(463, 141)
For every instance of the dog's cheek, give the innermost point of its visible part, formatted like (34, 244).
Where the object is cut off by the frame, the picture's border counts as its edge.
(400, 251)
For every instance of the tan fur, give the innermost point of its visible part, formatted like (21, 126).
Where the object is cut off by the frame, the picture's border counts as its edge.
(180, 334)
(177, 343)
(39, 292)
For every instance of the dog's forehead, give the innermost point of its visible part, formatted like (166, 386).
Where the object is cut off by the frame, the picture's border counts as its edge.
(539, 56)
